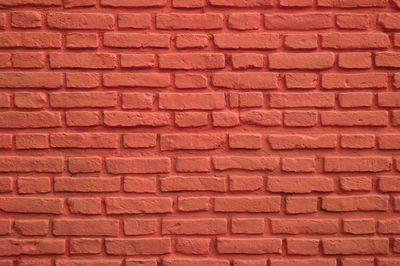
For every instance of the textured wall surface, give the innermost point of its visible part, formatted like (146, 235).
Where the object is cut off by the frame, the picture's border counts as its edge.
(200, 132)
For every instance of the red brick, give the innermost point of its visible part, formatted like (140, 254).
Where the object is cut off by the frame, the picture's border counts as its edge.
(352, 21)
(265, 118)
(39, 40)
(78, 262)
(357, 141)
(193, 204)
(225, 119)
(389, 184)
(42, 80)
(241, 3)
(5, 227)
(137, 100)
(262, 41)
(6, 141)
(28, 60)
(298, 164)
(135, 119)
(35, 246)
(300, 205)
(87, 184)
(301, 60)
(302, 246)
(141, 262)
(190, 81)
(355, 203)
(84, 164)
(299, 184)
(147, 80)
(359, 226)
(358, 262)
(181, 21)
(85, 246)
(247, 225)
(6, 184)
(355, 118)
(138, 246)
(301, 80)
(84, 140)
(80, 21)
(190, 61)
(295, 100)
(32, 185)
(173, 184)
(244, 21)
(31, 205)
(81, 40)
(302, 262)
(140, 184)
(387, 59)
(191, 119)
(5, 60)
(389, 21)
(193, 164)
(253, 204)
(289, 142)
(202, 226)
(82, 60)
(352, 3)
(247, 61)
(193, 246)
(246, 100)
(249, 246)
(135, 3)
(85, 206)
(351, 246)
(245, 141)
(300, 118)
(249, 163)
(82, 80)
(140, 140)
(295, 3)
(82, 118)
(136, 40)
(30, 100)
(188, 3)
(140, 226)
(355, 183)
(389, 99)
(79, 3)
(26, 19)
(248, 80)
(25, 164)
(355, 60)
(301, 41)
(137, 60)
(32, 227)
(85, 227)
(134, 21)
(191, 141)
(372, 164)
(245, 183)
(309, 21)
(355, 81)
(355, 40)
(138, 205)
(356, 99)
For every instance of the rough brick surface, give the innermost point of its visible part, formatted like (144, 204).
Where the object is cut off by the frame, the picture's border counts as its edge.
(199, 132)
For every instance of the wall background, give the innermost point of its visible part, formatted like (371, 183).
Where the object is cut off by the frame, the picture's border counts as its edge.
(186, 132)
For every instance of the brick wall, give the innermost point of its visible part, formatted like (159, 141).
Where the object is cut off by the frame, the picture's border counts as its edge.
(199, 132)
